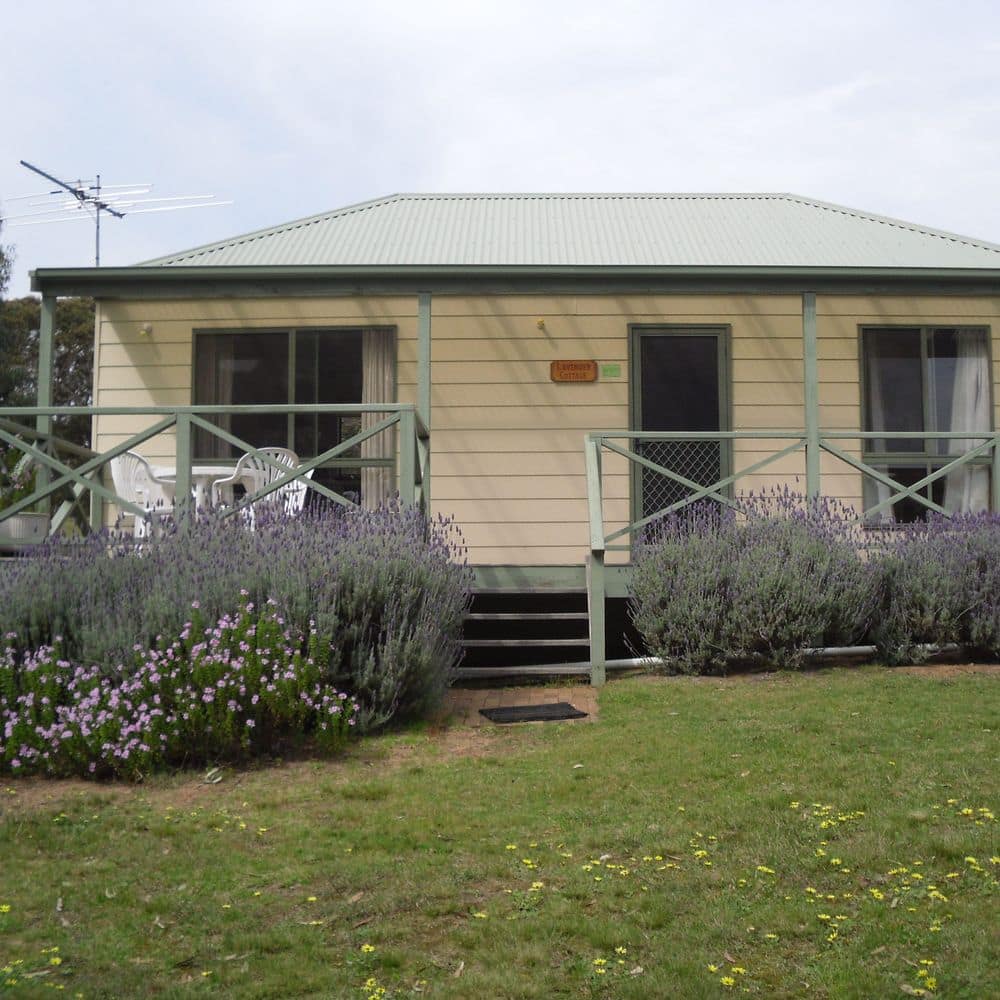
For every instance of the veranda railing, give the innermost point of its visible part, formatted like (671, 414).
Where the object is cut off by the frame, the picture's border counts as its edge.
(979, 449)
(84, 479)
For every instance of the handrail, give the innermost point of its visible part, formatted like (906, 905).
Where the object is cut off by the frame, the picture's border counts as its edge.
(414, 450)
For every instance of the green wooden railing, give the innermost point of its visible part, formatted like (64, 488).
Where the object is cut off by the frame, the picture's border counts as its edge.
(51, 456)
(980, 449)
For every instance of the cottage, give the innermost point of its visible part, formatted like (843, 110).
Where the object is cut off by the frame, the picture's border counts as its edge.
(567, 364)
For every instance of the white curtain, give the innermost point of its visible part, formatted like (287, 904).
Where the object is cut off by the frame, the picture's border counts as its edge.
(378, 385)
(875, 491)
(216, 370)
(967, 489)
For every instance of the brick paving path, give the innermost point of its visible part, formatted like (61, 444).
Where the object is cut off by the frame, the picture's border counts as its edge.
(463, 704)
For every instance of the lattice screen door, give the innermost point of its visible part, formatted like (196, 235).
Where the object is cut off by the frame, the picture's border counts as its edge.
(680, 383)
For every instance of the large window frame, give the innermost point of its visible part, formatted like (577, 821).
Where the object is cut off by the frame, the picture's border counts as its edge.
(927, 454)
(302, 433)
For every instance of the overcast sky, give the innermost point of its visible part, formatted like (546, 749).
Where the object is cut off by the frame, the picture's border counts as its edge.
(292, 108)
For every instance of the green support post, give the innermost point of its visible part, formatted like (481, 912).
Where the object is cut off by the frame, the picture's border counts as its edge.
(96, 508)
(407, 457)
(596, 583)
(424, 462)
(995, 484)
(596, 594)
(811, 379)
(184, 505)
(424, 358)
(43, 424)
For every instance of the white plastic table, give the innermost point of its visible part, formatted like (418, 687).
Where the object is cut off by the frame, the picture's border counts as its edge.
(202, 477)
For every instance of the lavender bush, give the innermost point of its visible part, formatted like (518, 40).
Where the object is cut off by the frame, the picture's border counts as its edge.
(384, 590)
(715, 588)
(944, 587)
(246, 684)
(390, 606)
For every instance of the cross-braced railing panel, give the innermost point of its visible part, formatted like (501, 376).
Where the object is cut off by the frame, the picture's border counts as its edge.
(85, 477)
(675, 470)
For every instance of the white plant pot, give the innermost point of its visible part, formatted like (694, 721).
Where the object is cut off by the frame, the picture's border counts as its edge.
(24, 529)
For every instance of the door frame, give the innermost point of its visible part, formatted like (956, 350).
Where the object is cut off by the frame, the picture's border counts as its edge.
(723, 334)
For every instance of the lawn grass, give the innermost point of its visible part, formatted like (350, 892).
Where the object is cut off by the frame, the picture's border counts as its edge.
(821, 835)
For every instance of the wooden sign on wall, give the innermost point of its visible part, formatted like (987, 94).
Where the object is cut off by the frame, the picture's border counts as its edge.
(573, 371)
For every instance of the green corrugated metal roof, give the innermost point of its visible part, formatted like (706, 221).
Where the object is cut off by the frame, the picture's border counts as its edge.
(594, 230)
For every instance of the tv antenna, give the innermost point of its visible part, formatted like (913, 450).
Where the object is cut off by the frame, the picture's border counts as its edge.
(88, 199)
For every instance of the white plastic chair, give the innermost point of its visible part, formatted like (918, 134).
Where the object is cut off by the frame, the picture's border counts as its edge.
(135, 481)
(254, 473)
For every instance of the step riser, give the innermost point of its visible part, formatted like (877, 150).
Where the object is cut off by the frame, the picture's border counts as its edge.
(507, 629)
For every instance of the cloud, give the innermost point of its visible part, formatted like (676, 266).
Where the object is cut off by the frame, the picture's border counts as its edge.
(298, 107)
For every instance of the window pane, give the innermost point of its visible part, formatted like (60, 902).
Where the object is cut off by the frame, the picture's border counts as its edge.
(680, 391)
(680, 383)
(327, 370)
(260, 375)
(242, 368)
(894, 387)
(958, 384)
(907, 509)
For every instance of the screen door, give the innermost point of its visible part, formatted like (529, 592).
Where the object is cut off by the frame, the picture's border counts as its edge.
(680, 382)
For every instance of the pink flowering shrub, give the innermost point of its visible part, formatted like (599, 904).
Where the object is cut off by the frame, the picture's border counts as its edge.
(383, 593)
(245, 685)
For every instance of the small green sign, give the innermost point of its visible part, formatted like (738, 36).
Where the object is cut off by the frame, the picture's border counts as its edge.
(611, 371)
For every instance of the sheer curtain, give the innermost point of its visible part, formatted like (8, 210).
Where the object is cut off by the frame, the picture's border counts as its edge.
(378, 386)
(215, 366)
(967, 489)
(955, 371)
(876, 491)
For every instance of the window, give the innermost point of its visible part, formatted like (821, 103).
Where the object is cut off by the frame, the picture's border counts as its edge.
(926, 379)
(301, 366)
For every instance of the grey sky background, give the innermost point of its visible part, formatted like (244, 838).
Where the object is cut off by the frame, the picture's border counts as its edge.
(293, 108)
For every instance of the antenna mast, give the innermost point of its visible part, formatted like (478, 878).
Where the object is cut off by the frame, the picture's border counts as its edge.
(119, 200)
(85, 198)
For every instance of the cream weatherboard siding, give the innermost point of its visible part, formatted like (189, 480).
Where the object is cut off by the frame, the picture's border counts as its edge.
(132, 368)
(506, 442)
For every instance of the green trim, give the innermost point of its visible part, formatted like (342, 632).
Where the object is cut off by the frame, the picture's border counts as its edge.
(211, 281)
(595, 493)
(424, 357)
(636, 331)
(618, 580)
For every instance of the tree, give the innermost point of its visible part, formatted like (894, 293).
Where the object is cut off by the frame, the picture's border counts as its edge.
(73, 358)
(8, 377)
(73, 353)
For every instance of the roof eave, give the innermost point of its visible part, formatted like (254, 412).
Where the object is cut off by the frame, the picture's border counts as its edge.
(114, 282)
